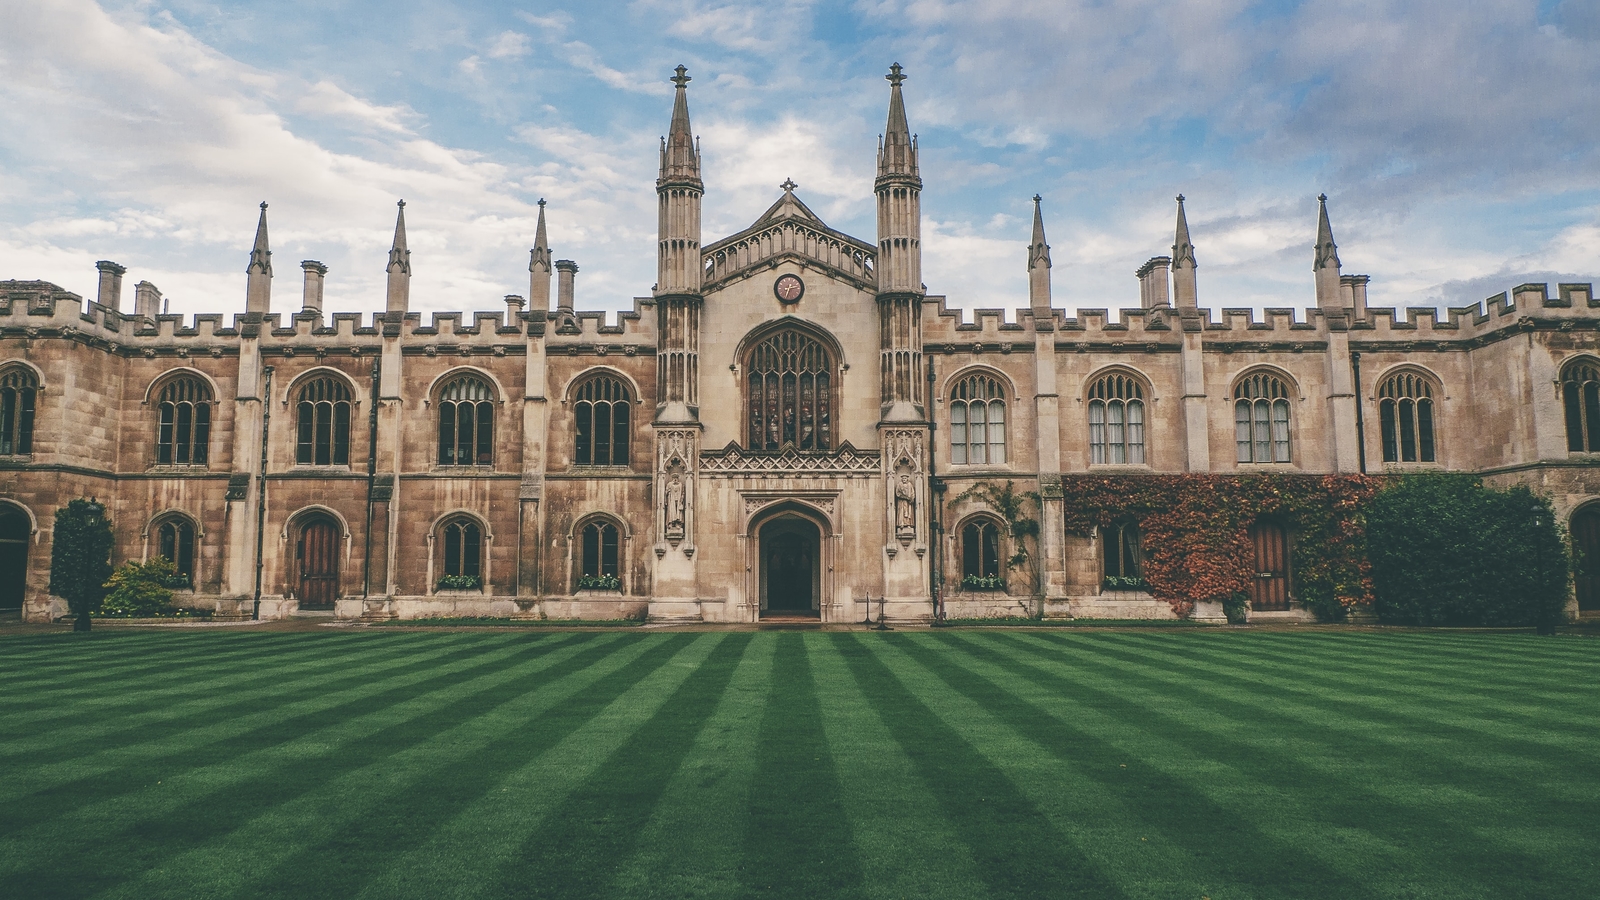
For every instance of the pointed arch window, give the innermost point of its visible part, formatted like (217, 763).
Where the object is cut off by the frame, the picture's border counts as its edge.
(602, 414)
(1116, 420)
(461, 547)
(1580, 394)
(183, 429)
(978, 421)
(1123, 556)
(19, 391)
(600, 565)
(466, 422)
(1405, 417)
(323, 432)
(980, 555)
(789, 393)
(1261, 418)
(175, 540)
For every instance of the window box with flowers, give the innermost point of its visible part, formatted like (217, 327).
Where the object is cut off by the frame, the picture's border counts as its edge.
(1124, 583)
(600, 583)
(984, 583)
(459, 583)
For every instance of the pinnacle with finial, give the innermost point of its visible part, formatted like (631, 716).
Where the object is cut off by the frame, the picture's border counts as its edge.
(682, 78)
(896, 75)
(788, 185)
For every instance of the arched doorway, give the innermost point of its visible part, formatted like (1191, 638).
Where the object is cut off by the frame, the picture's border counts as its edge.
(1586, 553)
(791, 567)
(1269, 590)
(317, 563)
(14, 533)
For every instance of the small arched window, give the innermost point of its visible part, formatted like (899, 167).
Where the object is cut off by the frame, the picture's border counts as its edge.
(1261, 418)
(461, 546)
(1124, 559)
(1116, 420)
(1405, 416)
(977, 421)
(600, 566)
(19, 390)
(175, 541)
(1580, 393)
(602, 412)
(789, 393)
(183, 430)
(466, 423)
(980, 555)
(324, 423)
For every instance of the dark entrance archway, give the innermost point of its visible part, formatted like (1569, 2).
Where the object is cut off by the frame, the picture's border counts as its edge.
(15, 528)
(791, 559)
(317, 563)
(1586, 549)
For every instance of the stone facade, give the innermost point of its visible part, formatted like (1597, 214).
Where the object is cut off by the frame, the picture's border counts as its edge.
(770, 432)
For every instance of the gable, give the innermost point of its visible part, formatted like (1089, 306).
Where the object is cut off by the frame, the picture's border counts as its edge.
(789, 230)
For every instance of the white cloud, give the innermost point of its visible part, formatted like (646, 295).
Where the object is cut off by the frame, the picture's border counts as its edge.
(508, 45)
(327, 100)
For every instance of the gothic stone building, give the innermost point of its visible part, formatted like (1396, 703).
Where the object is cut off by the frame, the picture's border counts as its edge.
(782, 428)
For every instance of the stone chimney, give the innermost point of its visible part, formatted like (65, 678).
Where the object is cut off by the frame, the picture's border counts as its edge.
(566, 272)
(1153, 286)
(315, 273)
(110, 284)
(1353, 292)
(146, 300)
(513, 308)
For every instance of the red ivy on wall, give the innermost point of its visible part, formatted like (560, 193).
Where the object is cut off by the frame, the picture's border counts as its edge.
(1196, 538)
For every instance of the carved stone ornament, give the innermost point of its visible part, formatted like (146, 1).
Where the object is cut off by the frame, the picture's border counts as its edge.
(735, 460)
(903, 462)
(675, 454)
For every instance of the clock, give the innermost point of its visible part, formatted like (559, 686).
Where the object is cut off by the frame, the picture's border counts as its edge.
(789, 288)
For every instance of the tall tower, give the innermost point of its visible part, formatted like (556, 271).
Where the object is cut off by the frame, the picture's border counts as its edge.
(1039, 265)
(1326, 264)
(899, 269)
(678, 191)
(399, 267)
(258, 289)
(1183, 265)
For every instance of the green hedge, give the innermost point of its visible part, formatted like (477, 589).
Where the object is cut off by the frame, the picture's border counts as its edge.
(1446, 550)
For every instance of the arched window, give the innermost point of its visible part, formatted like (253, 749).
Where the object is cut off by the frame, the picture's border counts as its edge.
(1119, 544)
(1580, 392)
(18, 392)
(183, 432)
(599, 569)
(602, 412)
(1405, 415)
(466, 423)
(789, 386)
(1261, 418)
(977, 421)
(1116, 420)
(461, 546)
(324, 424)
(980, 555)
(175, 541)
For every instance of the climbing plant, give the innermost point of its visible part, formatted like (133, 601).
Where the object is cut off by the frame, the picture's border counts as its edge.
(1015, 508)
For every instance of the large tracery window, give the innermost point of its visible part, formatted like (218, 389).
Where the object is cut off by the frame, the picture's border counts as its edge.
(184, 430)
(977, 421)
(1116, 420)
(602, 412)
(1261, 418)
(466, 423)
(1580, 392)
(323, 436)
(790, 393)
(18, 392)
(1405, 414)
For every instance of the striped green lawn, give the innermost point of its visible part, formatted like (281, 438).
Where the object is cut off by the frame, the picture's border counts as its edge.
(966, 764)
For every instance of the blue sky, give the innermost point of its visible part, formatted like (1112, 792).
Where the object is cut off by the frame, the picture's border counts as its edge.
(1459, 144)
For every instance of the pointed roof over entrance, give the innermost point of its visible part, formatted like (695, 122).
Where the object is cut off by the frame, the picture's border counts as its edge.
(789, 229)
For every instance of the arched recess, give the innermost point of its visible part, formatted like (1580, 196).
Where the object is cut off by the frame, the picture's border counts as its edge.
(38, 374)
(978, 407)
(177, 535)
(1117, 399)
(438, 557)
(1584, 527)
(1407, 400)
(977, 548)
(789, 380)
(1263, 400)
(811, 329)
(317, 540)
(18, 529)
(1580, 401)
(791, 539)
(599, 546)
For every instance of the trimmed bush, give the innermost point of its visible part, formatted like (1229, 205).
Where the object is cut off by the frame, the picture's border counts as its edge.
(139, 591)
(80, 558)
(1446, 550)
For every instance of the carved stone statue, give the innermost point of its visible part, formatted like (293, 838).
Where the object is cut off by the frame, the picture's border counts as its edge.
(905, 506)
(675, 505)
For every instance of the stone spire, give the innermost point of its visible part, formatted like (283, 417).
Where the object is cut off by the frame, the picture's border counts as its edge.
(1326, 264)
(678, 267)
(539, 267)
(399, 266)
(258, 290)
(899, 265)
(1039, 265)
(1183, 264)
(680, 158)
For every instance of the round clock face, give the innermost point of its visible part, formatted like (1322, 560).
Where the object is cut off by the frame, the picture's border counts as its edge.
(789, 288)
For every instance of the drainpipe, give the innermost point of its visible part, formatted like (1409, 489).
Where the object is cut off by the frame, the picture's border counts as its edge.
(1361, 428)
(372, 478)
(261, 488)
(935, 523)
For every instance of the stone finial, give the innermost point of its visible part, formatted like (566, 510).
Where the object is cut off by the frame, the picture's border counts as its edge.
(258, 289)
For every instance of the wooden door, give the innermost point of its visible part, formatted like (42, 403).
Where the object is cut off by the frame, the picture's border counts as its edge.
(318, 555)
(1586, 547)
(1269, 589)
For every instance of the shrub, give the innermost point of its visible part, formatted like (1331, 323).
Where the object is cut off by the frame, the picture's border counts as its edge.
(139, 591)
(1236, 608)
(80, 558)
(1446, 550)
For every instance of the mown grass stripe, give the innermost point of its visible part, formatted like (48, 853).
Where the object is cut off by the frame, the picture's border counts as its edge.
(184, 793)
(1345, 804)
(685, 850)
(1017, 850)
(906, 845)
(799, 842)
